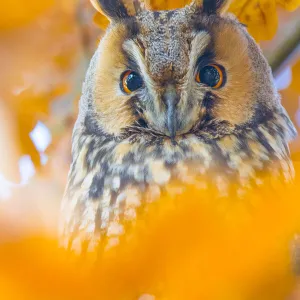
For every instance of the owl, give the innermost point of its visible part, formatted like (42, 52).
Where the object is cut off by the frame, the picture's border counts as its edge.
(169, 96)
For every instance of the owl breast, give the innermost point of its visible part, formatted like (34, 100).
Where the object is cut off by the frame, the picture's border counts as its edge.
(111, 179)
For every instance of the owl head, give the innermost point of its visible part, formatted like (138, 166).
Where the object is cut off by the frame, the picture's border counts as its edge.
(171, 70)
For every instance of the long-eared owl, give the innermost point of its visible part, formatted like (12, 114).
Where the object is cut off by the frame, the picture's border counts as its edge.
(170, 95)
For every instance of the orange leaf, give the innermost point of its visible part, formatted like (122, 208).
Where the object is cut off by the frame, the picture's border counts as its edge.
(192, 244)
(289, 5)
(259, 15)
(295, 84)
(15, 13)
(101, 20)
(163, 5)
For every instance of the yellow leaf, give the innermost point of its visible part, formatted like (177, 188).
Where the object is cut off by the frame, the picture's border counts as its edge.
(29, 109)
(100, 20)
(162, 5)
(289, 5)
(15, 13)
(42, 69)
(184, 248)
(259, 15)
(295, 85)
(9, 151)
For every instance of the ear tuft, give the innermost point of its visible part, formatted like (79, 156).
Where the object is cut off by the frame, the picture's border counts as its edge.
(118, 9)
(211, 6)
(215, 6)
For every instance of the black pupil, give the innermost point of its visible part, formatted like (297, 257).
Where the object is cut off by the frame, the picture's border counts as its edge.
(210, 76)
(134, 81)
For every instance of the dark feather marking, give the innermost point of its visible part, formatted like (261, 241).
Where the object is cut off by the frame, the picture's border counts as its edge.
(90, 151)
(156, 14)
(98, 220)
(112, 203)
(262, 113)
(199, 27)
(126, 180)
(206, 59)
(141, 122)
(170, 164)
(292, 130)
(97, 186)
(212, 6)
(184, 147)
(93, 127)
(132, 28)
(104, 153)
(129, 159)
(135, 104)
(158, 152)
(131, 63)
(263, 140)
(114, 9)
(170, 14)
(209, 101)
(243, 145)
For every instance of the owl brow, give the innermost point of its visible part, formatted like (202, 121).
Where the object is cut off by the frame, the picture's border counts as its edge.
(207, 57)
(132, 54)
(132, 28)
(131, 62)
(201, 44)
(199, 27)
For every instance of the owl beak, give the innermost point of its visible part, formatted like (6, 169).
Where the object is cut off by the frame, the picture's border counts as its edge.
(171, 99)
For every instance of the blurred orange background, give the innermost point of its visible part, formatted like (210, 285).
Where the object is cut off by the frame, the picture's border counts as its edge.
(45, 47)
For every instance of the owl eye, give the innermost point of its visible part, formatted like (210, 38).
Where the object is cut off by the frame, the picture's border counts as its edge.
(130, 82)
(211, 75)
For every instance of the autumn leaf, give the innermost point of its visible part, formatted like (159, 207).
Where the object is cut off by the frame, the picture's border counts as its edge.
(15, 13)
(295, 84)
(259, 16)
(29, 109)
(163, 5)
(37, 62)
(289, 5)
(100, 20)
(192, 244)
(9, 150)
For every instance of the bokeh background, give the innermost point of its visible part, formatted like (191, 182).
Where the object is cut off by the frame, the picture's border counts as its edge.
(45, 48)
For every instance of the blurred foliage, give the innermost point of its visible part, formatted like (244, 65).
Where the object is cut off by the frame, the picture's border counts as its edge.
(261, 15)
(295, 85)
(39, 52)
(204, 248)
(15, 13)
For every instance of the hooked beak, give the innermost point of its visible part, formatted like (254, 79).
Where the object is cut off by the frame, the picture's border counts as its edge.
(171, 100)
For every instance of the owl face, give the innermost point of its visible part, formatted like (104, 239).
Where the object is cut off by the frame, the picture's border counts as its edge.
(170, 71)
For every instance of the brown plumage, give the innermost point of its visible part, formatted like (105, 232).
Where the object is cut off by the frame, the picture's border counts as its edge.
(178, 121)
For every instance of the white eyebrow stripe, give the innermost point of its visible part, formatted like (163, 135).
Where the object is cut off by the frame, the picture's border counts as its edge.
(198, 47)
